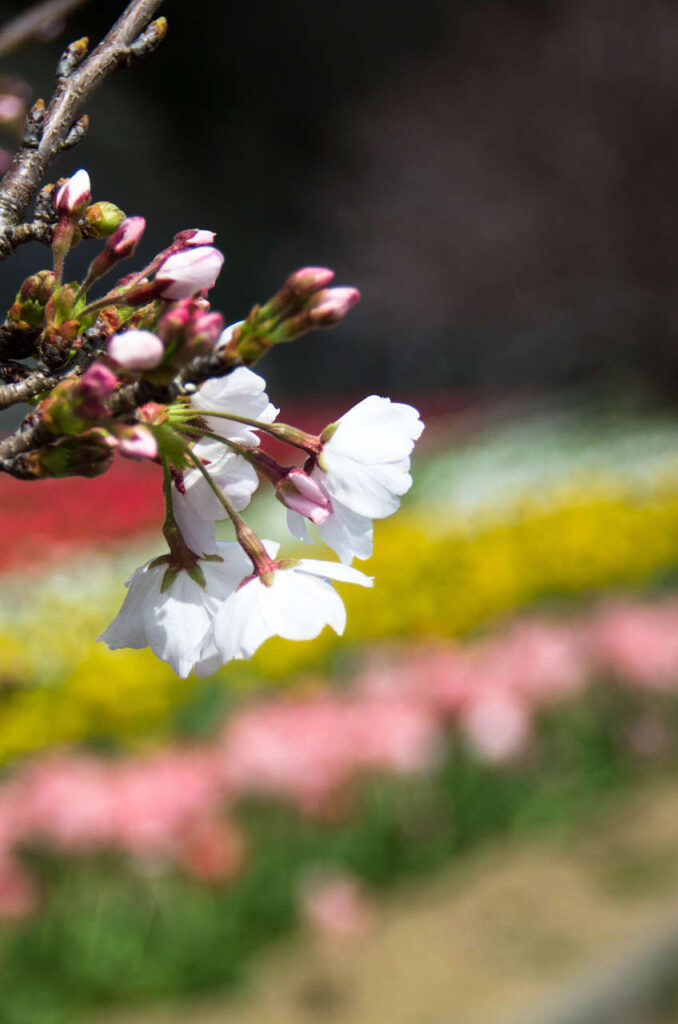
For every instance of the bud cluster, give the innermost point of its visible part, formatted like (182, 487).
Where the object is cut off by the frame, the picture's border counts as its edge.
(304, 302)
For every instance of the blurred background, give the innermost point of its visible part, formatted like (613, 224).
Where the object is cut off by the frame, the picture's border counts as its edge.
(465, 810)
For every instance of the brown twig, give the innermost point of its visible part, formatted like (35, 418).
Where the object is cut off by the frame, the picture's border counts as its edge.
(50, 131)
(25, 389)
(32, 433)
(31, 24)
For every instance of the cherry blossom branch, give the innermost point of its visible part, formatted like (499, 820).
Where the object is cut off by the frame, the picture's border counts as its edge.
(49, 131)
(24, 390)
(34, 23)
(32, 432)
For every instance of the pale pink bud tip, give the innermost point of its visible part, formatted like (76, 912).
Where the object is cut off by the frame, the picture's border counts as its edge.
(185, 273)
(74, 194)
(126, 237)
(310, 279)
(201, 237)
(330, 306)
(136, 350)
(138, 443)
(299, 492)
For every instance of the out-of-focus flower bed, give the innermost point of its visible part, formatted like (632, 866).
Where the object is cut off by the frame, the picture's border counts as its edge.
(130, 876)
(434, 579)
(188, 827)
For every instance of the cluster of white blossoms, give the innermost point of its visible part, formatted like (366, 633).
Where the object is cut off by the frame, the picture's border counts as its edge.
(229, 597)
(152, 374)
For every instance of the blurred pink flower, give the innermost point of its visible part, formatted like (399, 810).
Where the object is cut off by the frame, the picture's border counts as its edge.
(19, 894)
(335, 906)
(498, 724)
(638, 643)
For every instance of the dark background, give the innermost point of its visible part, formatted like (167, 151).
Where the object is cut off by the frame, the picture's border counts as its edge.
(496, 177)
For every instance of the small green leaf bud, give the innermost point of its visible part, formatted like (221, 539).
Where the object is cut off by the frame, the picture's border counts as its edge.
(103, 218)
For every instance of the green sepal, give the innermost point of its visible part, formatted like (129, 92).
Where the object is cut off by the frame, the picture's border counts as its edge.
(197, 575)
(170, 445)
(329, 430)
(211, 558)
(288, 563)
(160, 560)
(168, 579)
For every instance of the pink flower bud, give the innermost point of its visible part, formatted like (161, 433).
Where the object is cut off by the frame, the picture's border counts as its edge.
(207, 328)
(194, 236)
(96, 385)
(136, 350)
(126, 238)
(298, 491)
(137, 443)
(73, 196)
(188, 272)
(98, 381)
(175, 321)
(309, 280)
(329, 307)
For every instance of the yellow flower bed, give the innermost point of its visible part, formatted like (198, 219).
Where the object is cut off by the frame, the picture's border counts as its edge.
(431, 580)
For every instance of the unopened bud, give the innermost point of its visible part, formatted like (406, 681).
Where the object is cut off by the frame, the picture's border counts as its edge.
(153, 413)
(185, 273)
(137, 442)
(61, 304)
(121, 244)
(187, 330)
(329, 307)
(126, 237)
(300, 492)
(96, 385)
(203, 334)
(103, 219)
(309, 280)
(33, 296)
(88, 455)
(136, 350)
(73, 196)
(193, 236)
(73, 405)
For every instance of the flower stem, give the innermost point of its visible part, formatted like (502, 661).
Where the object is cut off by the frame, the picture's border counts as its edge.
(248, 540)
(181, 556)
(310, 443)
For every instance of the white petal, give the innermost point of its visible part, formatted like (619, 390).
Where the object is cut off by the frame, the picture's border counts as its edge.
(239, 627)
(297, 525)
(359, 487)
(210, 661)
(231, 473)
(381, 424)
(224, 577)
(176, 627)
(127, 628)
(299, 606)
(334, 571)
(347, 533)
(241, 392)
(198, 533)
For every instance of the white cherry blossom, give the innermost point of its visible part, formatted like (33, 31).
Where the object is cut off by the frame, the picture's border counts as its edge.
(295, 604)
(175, 623)
(363, 468)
